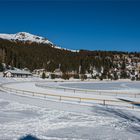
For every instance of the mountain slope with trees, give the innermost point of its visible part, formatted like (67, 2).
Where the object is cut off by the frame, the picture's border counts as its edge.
(38, 55)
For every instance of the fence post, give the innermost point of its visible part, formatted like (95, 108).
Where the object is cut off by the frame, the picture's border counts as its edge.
(103, 102)
(132, 106)
(80, 100)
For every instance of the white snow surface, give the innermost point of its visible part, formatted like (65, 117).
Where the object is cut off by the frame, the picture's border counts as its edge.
(50, 120)
(24, 36)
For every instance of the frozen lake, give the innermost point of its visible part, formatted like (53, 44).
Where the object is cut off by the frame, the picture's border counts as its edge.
(104, 85)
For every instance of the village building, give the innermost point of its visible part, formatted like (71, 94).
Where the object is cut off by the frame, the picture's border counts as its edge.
(16, 73)
(39, 71)
(58, 73)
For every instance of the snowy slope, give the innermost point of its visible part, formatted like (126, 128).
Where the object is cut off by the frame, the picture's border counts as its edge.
(24, 36)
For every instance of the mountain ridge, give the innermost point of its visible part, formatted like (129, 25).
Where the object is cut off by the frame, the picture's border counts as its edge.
(24, 36)
(28, 37)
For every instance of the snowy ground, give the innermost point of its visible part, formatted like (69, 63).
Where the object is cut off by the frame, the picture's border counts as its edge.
(21, 115)
(104, 97)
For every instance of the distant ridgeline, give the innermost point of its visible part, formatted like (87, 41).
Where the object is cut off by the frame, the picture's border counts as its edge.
(36, 55)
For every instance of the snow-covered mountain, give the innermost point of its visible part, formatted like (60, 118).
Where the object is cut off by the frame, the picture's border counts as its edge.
(24, 36)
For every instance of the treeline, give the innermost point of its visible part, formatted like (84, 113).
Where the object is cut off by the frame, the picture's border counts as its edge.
(35, 56)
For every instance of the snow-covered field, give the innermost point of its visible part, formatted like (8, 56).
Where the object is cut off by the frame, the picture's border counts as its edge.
(46, 119)
(68, 96)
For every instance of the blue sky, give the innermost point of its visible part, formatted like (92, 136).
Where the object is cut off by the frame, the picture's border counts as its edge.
(79, 24)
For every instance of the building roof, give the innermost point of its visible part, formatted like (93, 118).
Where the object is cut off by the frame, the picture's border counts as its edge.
(18, 72)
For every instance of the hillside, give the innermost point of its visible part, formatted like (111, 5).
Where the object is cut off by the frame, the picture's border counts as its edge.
(25, 51)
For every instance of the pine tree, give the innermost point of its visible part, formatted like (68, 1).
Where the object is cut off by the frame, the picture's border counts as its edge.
(43, 75)
(1, 68)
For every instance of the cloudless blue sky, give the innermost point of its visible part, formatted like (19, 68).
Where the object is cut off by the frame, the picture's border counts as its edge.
(79, 24)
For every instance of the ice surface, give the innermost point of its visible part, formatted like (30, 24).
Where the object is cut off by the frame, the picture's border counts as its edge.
(105, 85)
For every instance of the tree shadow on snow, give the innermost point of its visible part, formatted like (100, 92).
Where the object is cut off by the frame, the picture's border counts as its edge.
(29, 137)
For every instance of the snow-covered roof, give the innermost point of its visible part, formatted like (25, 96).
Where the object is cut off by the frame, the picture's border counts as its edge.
(18, 72)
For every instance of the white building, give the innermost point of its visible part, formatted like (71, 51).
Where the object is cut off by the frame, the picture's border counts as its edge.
(16, 73)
